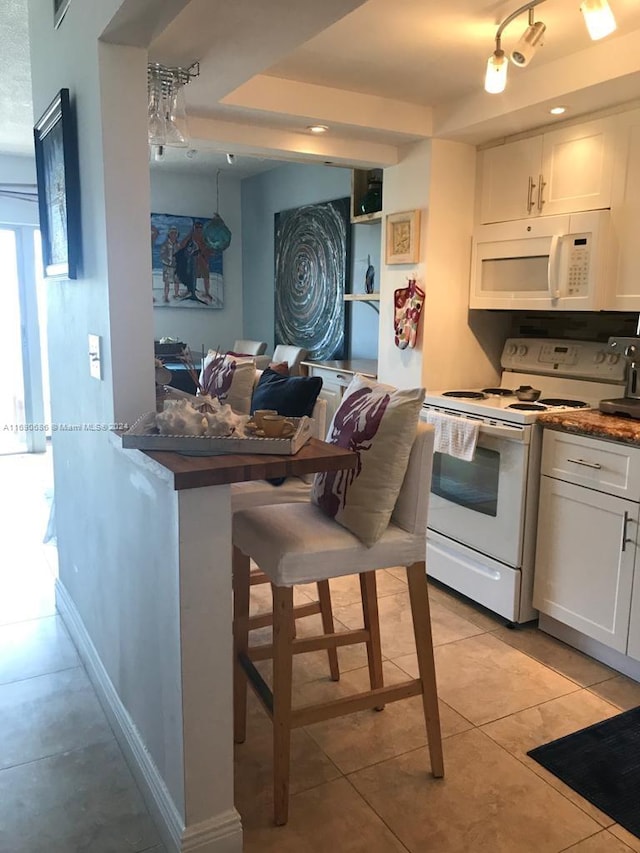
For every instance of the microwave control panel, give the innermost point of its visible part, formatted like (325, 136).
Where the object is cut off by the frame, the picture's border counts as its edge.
(578, 248)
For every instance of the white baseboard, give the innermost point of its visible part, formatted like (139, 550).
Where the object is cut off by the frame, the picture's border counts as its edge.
(220, 834)
(595, 649)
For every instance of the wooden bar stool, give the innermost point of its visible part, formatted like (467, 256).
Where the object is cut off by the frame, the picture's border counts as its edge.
(297, 543)
(254, 493)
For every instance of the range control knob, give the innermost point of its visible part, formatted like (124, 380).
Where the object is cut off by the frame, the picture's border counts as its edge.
(522, 350)
(614, 357)
(631, 351)
(599, 357)
(512, 349)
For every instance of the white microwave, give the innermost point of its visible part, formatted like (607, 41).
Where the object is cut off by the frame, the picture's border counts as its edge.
(555, 263)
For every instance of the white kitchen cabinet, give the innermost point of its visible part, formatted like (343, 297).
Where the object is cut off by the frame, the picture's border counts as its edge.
(633, 646)
(562, 171)
(585, 560)
(588, 536)
(625, 216)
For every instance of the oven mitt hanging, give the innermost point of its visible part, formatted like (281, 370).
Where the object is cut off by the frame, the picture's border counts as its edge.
(408, 302)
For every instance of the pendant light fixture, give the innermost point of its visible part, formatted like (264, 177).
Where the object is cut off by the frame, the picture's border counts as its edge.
(215, 232)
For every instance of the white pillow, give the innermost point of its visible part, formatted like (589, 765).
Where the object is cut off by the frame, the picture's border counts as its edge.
(229, 379)
(380, 424)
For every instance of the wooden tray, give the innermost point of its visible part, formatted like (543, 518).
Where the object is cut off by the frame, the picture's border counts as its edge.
(141, 437)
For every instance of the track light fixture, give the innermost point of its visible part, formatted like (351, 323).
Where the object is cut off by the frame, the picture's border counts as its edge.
(598, 19)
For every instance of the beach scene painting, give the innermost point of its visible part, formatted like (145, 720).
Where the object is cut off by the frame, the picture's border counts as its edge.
(186, 272)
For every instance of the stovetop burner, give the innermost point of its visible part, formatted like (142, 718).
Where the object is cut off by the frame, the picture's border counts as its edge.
(466, 395)
(569, 404)
(498, 392)
(528, 407)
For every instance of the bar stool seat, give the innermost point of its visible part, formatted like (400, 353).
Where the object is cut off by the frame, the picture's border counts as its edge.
(296, 544)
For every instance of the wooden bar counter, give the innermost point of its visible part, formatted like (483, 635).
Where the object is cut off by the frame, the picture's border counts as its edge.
(192, 472)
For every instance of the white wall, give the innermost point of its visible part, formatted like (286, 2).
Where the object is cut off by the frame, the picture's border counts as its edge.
(195, 195)
(454, 347)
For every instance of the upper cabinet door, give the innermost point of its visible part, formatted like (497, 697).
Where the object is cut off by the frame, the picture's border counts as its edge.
(508, 188)
(567, 170)
(576, 168)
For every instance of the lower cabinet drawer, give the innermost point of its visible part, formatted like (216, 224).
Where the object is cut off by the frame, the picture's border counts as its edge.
(331, 377)
(610, 467)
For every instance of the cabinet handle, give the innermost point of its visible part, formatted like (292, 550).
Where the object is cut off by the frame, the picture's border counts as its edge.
(625, 521)
(585, 463)
(340, 376)
(541, 185)
(530, 201)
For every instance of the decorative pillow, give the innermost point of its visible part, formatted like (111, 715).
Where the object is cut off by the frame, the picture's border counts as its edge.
(380, 424)
(281, 367)
(291, 396)
(229, 379)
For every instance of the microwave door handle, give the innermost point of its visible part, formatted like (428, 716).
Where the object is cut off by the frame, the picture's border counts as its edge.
(553, 270)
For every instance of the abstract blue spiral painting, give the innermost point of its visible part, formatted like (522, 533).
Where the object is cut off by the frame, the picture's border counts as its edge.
(312, 247)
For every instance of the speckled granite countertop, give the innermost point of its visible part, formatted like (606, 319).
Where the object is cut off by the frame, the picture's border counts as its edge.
(594, 423)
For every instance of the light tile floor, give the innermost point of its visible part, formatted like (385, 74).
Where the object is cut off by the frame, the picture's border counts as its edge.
(64, 785)
(359, 783)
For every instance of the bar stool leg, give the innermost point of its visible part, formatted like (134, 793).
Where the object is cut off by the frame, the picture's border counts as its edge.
(419, 598)
(324, 597)
(369, 595)
(240, 642)
(282, 674)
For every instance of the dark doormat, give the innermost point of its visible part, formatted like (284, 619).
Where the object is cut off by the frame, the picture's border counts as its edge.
(601, 763)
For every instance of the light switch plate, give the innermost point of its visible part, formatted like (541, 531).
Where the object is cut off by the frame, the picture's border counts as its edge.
(95, 362)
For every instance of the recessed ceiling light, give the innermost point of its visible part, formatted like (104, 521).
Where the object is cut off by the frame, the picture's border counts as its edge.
(557, 111)
(317, 128)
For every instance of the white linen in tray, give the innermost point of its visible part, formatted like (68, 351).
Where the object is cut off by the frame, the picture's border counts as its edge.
(456, 436)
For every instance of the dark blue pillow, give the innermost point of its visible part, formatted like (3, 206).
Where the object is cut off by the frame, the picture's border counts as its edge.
(291, 396)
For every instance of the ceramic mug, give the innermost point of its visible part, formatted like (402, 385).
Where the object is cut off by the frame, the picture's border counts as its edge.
(277, 426)
(260, 413)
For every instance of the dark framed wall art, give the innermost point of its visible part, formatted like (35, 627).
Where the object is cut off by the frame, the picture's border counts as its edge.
(58, 188)
(59, 10)
(312, 256)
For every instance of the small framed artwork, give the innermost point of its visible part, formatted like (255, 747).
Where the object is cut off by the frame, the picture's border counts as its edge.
(403, 237)
(58, 188)
(59, 11)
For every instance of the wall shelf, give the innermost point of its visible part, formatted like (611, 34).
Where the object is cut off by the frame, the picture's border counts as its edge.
(368, 298)
(362, 297)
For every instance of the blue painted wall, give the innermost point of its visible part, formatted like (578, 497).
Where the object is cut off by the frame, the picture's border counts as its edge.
(282, 188)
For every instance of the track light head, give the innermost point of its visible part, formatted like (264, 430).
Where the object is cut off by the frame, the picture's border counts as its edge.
(231, 159)
(598, 18)
(496, 77)
(530, 41)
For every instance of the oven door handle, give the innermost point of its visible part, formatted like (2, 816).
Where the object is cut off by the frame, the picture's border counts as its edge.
(514, 433)
(510, 433)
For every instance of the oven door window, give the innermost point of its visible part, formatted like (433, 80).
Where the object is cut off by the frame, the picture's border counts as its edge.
(481, 503)
(473, 485)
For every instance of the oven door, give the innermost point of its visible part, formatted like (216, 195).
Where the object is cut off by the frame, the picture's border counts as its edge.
(482, 503)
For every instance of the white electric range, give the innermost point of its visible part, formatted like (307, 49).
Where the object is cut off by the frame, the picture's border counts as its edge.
(483, 513)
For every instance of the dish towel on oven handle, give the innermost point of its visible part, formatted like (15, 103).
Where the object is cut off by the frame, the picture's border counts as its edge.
(456, 436)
